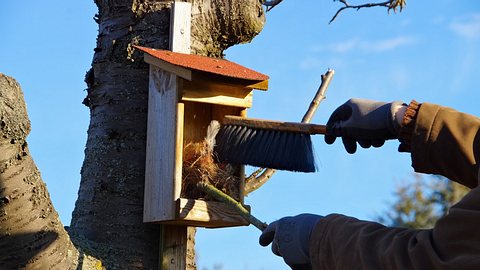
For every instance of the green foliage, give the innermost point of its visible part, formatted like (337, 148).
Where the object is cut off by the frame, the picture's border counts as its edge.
(420, 203)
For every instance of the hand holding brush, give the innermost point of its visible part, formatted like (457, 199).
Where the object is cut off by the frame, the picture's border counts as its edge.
(366, 122)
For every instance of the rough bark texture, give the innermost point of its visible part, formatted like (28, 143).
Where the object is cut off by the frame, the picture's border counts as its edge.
(109, 209)
(31, 234)
(217, 25)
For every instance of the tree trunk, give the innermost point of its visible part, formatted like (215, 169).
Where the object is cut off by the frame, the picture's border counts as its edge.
(31, 234)
(109, 209)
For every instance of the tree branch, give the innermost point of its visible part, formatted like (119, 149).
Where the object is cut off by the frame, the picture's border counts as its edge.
(319, 97)
(253, 182)
(254, 175)
(259, 181)
(391, 4)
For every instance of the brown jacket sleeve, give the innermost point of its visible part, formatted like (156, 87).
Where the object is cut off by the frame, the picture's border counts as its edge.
(445, 142)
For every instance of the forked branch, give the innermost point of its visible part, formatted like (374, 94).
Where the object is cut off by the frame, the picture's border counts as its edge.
(391, 4)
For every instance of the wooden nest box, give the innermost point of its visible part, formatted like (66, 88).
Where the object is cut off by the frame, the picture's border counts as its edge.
(187, 92)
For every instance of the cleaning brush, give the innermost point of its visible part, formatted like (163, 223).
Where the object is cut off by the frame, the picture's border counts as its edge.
(268, 144)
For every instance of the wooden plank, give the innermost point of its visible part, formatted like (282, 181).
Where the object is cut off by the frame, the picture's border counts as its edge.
(241, 185)
(161, 142)
(175, 245)
(176, 248)
(179, 71)
(263, 85)
(197, 119)
(217, 93)
(219, 112)
(208, 214)
(180, 27)
(177, 181)
(275, 125)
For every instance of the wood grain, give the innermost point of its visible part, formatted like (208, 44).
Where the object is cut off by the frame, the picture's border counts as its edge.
(180, 26)
(217, 93)
(161, 146)
(275, 125)
(209, 214)
(177, 180)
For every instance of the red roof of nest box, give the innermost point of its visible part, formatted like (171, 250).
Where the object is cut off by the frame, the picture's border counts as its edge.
(216, 66)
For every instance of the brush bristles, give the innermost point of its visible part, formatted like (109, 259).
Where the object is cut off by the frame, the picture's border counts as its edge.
(265, 148)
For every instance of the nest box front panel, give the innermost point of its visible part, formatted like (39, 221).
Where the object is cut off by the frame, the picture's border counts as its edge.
(163, 134)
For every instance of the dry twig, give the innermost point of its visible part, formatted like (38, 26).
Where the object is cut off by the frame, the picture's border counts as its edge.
(391, 4)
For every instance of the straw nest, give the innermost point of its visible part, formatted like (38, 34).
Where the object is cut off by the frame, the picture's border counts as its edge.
(199, 165)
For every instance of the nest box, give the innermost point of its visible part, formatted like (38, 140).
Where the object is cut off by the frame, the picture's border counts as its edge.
(187, 92)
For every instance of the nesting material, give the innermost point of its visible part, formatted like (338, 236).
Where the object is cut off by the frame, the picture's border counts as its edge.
(199, 166)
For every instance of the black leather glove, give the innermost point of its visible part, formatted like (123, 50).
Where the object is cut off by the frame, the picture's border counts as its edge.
(290, 238)
(368, 122)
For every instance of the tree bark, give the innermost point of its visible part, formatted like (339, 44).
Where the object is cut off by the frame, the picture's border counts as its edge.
(109, 209)
(31, 234)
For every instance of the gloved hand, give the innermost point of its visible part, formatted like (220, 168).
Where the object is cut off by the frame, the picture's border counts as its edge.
(290, 238)
(368, 122)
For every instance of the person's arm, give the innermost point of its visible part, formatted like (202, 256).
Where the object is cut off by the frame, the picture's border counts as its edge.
(442, 141)
(343, 243)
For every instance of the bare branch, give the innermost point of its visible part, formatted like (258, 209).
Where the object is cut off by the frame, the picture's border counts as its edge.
(391, 4)
(254, 175)
(259, 181)
(319, 97)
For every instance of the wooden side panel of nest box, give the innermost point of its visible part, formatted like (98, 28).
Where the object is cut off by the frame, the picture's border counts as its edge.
(171, 125)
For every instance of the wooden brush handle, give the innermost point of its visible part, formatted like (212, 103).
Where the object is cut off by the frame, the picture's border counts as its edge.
(275, 125)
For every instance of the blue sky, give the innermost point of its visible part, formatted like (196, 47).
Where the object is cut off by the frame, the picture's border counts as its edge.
(429, 52)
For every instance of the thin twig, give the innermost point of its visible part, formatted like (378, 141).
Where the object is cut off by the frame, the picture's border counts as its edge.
(259, 181)
(319, 97)
(254, 175)
(225, 198)
(391, 4)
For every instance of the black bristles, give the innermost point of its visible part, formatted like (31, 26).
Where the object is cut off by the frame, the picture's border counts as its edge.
(265, 148)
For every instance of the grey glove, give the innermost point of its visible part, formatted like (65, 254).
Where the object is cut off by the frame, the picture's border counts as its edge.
(290, 238)
(368, 122)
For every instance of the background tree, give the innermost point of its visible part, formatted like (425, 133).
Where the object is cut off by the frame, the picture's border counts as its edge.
(420, 202)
